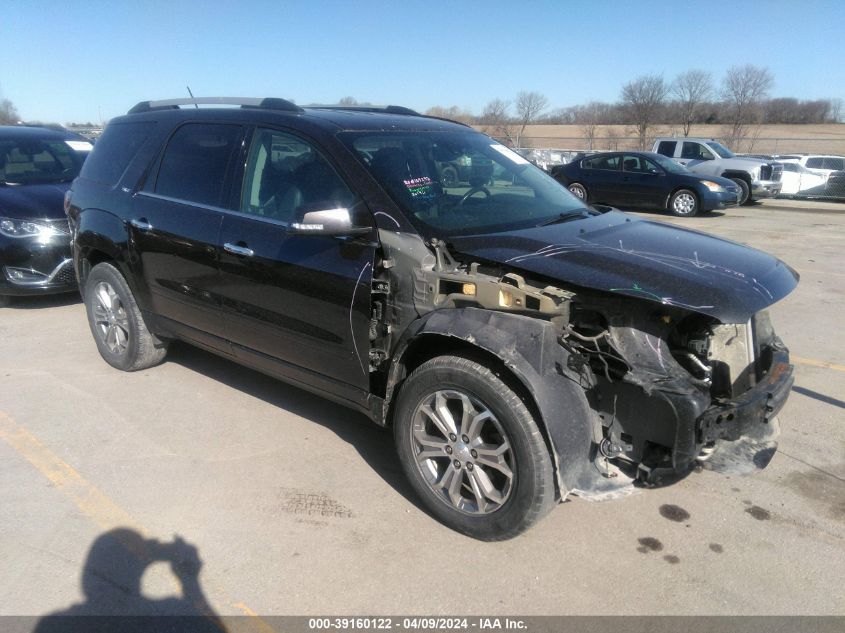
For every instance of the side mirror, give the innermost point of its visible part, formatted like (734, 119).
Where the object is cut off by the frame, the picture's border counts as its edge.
(327, 222)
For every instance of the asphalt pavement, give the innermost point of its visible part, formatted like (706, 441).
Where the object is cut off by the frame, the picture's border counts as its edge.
(298, 506)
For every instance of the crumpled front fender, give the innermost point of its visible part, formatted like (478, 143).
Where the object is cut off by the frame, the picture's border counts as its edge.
(529, 348)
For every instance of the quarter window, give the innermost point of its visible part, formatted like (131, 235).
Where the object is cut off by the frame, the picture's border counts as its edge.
(196, 161)
(114, 151)
(285, 173)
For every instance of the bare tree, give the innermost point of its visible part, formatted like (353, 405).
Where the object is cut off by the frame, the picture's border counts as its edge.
(743, 88)
(836, 110)
(590, 117)
(692, 89)
(8, 113)
(528, 107)
(348, 101)
(643, 100)
(496, 120)
(453, 113)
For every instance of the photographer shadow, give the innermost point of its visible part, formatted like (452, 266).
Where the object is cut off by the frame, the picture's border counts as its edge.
(112, 584)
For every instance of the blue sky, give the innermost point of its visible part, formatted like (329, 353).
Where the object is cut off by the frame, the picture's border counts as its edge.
(79, 61)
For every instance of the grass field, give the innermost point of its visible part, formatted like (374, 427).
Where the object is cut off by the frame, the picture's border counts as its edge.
(768, 139)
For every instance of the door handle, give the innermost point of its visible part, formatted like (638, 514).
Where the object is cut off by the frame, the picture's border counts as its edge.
(234, 249)
(141, 224)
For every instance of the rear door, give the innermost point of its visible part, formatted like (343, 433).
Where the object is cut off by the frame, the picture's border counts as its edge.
(175, 227)
(603, 178)
(296, 305)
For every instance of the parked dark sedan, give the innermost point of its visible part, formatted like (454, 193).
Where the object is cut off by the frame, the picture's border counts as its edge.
(37, 166)
(645, 179)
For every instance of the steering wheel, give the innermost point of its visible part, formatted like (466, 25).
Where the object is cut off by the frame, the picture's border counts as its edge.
(472, 192)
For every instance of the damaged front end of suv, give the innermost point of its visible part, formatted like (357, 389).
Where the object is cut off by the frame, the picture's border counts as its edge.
(645, 348)
(632, 381)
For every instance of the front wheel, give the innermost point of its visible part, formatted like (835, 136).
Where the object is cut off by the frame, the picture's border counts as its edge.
(116, 322)
(683, 203)
(471, 449)
(744, 191)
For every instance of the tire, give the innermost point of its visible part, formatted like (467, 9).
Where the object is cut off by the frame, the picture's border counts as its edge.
(579, 191)
(4, 301)
(744, 191)
(500, 494)
(449, 177)
(116, 322)
(683, 203)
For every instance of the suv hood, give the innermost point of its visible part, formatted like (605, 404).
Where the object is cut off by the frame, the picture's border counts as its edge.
(33, 202)
(648, 260)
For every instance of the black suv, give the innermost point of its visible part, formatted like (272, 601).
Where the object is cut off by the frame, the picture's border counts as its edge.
(522, 345)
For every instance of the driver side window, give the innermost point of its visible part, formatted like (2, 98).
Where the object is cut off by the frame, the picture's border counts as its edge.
(284, 174)
(696, 151)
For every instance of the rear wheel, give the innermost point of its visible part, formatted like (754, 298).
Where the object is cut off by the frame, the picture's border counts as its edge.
(471, 449)
(579, 190)
(449, 177)
(744, 191)
(116, 322)
(683, 203)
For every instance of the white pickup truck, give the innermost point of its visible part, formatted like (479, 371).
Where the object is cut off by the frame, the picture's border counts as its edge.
(755, 178)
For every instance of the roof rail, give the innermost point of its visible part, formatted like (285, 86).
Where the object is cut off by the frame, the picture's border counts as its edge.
(245, 102)
(389, 109)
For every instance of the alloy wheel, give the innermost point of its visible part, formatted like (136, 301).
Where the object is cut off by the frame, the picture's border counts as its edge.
(110, 318)
(462, 452)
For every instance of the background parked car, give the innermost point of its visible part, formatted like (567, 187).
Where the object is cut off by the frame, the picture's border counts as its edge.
(36, 168)
(754, 177)
(799, 181)
(819, 163)
(645, 179)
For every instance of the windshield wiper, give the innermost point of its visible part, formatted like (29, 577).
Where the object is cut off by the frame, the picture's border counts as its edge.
(564, 217)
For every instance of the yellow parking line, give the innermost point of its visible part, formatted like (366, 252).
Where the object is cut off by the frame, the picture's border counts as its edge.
(817, 363)
(93, 503)
(90, 501)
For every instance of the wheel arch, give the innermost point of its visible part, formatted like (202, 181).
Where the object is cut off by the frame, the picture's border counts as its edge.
(101, 236)
(737, 173)
(678, 188)
(525, 354)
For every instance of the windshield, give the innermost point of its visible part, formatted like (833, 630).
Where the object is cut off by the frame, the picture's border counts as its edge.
(720, 149)
(455, 183)
(668, 164)
(38, 161)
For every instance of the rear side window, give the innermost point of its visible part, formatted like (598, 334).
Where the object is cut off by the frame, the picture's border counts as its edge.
(602, 162)
(834, 163)
(114, 151)
(196, 161)
(667, 148)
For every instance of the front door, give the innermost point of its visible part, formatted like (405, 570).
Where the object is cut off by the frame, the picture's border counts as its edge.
(297, 305)
(643, 182)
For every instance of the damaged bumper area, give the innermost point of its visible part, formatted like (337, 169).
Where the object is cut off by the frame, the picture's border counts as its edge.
(676, 390)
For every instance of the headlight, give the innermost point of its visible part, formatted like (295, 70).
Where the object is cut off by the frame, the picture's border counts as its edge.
(713, 186)
(11, 227)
